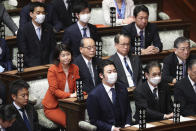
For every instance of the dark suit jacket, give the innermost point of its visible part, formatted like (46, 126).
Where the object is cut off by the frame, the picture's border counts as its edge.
(151, 35)
(84, 72)
(51, 17)
(5, 60)
(144, 98)
(136, 67)
(64, 14)
(101, 109)
(73, 36)
(19, 124)
(170, 66)
(36, 52)
(185, 94)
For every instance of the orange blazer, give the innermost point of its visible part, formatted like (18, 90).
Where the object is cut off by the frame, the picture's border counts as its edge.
(57, 79)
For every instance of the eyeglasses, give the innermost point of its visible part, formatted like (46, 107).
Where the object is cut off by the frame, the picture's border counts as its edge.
(184, 48)
(90, 47)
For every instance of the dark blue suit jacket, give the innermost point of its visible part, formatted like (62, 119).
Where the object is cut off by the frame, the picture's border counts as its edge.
(5, 60)
(85, 75)
(73, 36)
(101, 109)
(51, 17)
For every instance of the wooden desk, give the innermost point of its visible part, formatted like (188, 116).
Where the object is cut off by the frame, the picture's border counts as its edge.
(167, 125)
(75, 111)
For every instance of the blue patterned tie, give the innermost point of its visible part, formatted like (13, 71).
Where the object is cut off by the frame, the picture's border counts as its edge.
(113, 95)
(184, 69)
(142, 38)
(155, 93)
(84, 32)
(127, 66)
(26, 119)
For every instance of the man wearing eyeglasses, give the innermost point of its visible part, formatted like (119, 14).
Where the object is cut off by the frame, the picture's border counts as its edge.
(128, 67)
(87, 63)
(181, 55)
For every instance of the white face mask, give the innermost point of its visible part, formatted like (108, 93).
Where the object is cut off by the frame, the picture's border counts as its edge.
(40, 18)
(85, 17)
(112, 78)
(155, 80)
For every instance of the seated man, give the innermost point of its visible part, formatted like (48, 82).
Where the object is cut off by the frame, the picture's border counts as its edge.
(150, 41)
(87, 63)
(74, 33)
(128, 67)
(36, 40)
(181, 55)
(7, 116)
(63, 10)
(153, 95)
(26, 119)
(51, 16)
(108, 104)
(185, 91)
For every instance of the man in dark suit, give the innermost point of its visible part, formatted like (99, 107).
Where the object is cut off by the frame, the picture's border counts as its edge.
(7, 116)
(26, 119)
(153, 95)
(181, 55)
(185, 91)
(108, 104)
(150, 41)
(51, 16)
(36, 40)
(128, 67)
(63, 10)
(74, 33)
(87, 63)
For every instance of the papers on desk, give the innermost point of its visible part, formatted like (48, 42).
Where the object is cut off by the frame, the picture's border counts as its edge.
(182, 119)
(147, 125)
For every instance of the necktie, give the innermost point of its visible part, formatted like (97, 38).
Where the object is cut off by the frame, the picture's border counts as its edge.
(84, 32)
(25, 119)
(129, 69)
(155, 93)
(38, 32)
(184, 69)
(113, 95)
(142, 38)
(91, 72)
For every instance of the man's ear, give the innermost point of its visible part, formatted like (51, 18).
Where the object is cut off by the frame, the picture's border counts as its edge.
(31, 14)
(146, 74)
(13, 97)
(77, 16)
(101, 75)
(175, 50)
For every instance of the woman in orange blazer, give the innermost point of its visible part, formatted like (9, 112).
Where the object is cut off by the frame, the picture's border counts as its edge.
(62, 84)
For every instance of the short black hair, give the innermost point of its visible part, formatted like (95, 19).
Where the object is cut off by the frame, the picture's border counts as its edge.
(104, 63)
(8, 112)
(17, 85)
(59, 48)
(179, 40)
(152, 64)
(33, 5)
(117, 37)
(80, 5)
(140, 8)
(191, 63)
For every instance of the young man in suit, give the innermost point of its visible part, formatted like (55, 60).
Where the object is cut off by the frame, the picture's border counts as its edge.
(87, 63)
(7, 116)
(51, 16)
(185, 91)
(128, 67)
(181, 55)
(36, 40)
(26, 119)
(153, 95)
(74, 33)
(108, 104)
(150, 41)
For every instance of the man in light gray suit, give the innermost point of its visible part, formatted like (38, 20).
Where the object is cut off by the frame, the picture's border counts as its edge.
(7, 20)
(128, 67)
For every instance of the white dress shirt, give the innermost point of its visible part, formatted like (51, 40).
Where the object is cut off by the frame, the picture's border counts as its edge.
(36, 28)
(152, 88)
(192, 83)
(138, 31)
(108, 90)
(128, 75)
(66, 4)
(20, 112)
(86, 61)
(81, 29)
(179, 60)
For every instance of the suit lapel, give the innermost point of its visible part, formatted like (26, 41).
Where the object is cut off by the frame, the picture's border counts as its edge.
(95, 70)
(133, 65)
(30, 116)
(78, 32)
(149, 92)
(190, 88)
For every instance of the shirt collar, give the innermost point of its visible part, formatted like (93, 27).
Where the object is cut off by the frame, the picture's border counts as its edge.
(138, 29)
(17, 107)
(35, 26)
(192, 82)
(122, 57)
(80, 26)
(151, 87)
(86, 60)
(179, 60)
(108, 88)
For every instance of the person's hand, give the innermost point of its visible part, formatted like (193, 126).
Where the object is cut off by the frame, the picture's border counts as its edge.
(116, 129)
(155, 50)
(147, 51)
(128, 20)
(73, 95)
(174, 81)
(168, 116)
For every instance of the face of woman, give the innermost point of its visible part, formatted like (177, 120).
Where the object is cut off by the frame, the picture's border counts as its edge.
(65, 57)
